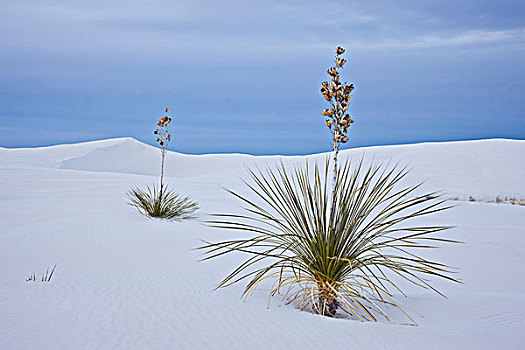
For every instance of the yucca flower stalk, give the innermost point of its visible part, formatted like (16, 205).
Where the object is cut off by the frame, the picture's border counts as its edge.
(338, 94)
(327, 258)
(163, 138)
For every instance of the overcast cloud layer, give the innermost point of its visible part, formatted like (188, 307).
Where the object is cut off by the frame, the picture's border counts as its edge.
(244, 76)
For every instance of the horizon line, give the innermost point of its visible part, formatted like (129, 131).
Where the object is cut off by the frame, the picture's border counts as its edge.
(269, 154)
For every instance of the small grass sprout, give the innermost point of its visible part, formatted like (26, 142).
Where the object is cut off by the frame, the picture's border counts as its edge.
(46, 277)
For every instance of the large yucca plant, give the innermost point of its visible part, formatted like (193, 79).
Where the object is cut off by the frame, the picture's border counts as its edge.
(162, 203)
(323, 258)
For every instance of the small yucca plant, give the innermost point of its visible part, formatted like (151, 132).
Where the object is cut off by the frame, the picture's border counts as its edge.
(325, 258)
(162, 202)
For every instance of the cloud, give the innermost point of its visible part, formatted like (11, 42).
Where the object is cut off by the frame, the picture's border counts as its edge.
(182, 30)
(460, 39)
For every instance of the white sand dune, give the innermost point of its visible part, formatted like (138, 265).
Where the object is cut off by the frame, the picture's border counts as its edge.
(127, 282)
(481, 168)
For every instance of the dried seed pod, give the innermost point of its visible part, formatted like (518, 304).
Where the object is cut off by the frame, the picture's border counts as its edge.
(324, 84)
(349, 88)
(166, 109)
(341, 62)
(344, 139)
(326, 112)
(328, 123)
(348, 119)
(339, 51)
(332, 71)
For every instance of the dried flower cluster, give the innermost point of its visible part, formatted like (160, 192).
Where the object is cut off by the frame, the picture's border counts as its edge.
(338, 95)
(162, 131)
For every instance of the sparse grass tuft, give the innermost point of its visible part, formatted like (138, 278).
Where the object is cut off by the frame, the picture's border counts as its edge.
(46, 277)
(162, 203)
(325, 258)
(498, 200)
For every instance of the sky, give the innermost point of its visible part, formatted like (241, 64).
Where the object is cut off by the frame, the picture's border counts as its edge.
(244, 76)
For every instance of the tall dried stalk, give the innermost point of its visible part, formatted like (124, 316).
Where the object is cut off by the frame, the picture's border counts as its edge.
(163, 138)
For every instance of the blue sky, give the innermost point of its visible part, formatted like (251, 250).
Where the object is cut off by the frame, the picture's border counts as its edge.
(245, 76)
